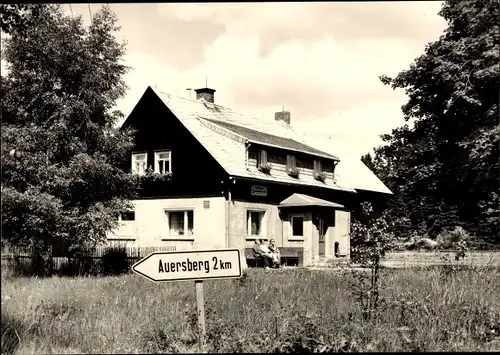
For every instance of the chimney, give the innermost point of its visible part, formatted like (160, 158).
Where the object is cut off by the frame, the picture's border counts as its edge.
(282, 116)
(205, 93)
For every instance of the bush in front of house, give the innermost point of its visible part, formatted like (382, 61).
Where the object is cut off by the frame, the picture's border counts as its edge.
(449, 238)
(115, 261)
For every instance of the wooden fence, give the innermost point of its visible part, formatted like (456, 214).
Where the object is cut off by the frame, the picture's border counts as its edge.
(21, 260)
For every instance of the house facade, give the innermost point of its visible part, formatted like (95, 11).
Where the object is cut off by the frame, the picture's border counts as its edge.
(214, 178)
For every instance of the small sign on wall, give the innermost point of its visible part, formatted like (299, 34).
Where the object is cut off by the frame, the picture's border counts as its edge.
(258, 190)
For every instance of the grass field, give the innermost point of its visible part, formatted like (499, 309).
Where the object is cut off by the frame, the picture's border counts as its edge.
(438, 309)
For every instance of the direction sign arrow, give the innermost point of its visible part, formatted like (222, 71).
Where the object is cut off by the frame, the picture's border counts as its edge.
(190, 265)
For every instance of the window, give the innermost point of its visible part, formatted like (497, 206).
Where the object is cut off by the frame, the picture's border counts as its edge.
(255, 223)
(297, 223)
(317, 166)
(180, 223)
(262, 157)
(126, 225)
(127, 216)
(163, 163)
(291, 162)
(139, 162)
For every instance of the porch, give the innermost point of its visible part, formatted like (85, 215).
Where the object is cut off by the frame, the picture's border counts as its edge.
(313, 230)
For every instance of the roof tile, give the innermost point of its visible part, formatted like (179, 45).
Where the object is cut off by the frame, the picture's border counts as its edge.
(265, 138)
(230, 152)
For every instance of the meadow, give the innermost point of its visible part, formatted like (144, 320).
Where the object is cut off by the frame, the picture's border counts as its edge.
(421, 309)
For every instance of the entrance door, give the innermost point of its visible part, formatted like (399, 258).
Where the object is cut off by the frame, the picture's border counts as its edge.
(321, 236)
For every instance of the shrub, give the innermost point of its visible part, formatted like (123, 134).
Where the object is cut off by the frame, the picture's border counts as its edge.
(371, 238)
(426, 244)
(80, 262)
(449, 238)
(115, 261)
(305, 336)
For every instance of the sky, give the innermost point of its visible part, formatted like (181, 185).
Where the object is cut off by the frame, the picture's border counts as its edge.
(320, 61)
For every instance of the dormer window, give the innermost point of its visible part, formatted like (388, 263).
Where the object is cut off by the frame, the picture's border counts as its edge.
(262, 157)
(262, 164)
(291, 166)
(163, 162)
(139, 163)
(291, 162)
(317, 166)
(318, 171)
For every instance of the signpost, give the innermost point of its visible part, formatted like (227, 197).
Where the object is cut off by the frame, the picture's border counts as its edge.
(197, 265)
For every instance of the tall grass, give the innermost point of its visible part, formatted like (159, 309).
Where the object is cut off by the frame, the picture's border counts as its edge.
(440, 309)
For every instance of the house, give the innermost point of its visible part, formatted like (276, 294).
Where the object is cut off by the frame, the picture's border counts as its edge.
(222, 179)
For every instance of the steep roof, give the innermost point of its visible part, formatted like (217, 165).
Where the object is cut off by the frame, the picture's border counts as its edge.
(224, 132)
(272, 140)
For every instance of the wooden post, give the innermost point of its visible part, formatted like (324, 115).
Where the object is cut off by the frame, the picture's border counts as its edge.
(200, 305)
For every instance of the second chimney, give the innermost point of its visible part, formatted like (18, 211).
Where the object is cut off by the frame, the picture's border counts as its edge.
(206, 94)
(282, 116)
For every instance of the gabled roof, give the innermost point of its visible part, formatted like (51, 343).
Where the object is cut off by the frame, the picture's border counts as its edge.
(272, 140)
(300, 200)
(223, 133)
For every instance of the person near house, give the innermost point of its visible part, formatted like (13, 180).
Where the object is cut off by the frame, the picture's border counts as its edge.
(261, 252)
(275, 253)
(265, 248)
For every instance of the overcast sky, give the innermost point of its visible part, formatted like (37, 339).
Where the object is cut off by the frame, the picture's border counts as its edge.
(321, 61)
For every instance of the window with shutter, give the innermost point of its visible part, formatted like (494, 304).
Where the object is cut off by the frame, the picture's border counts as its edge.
(262, 157)
(291, 162)
(317, 166)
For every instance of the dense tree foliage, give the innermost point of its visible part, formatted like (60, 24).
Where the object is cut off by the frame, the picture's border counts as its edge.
(17, 17)
(443, 166)
(60, 149)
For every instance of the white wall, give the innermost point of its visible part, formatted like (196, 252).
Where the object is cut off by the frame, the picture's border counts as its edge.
(309, 241)
(150, 226)
(272, 227)
(342, 232)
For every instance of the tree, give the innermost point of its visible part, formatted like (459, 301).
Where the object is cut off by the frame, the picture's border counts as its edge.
(17, 17)
(60, 148)
(446, 167)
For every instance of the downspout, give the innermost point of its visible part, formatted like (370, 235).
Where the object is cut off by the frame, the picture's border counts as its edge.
(226, 216)
(282, 217)
(247, 145)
